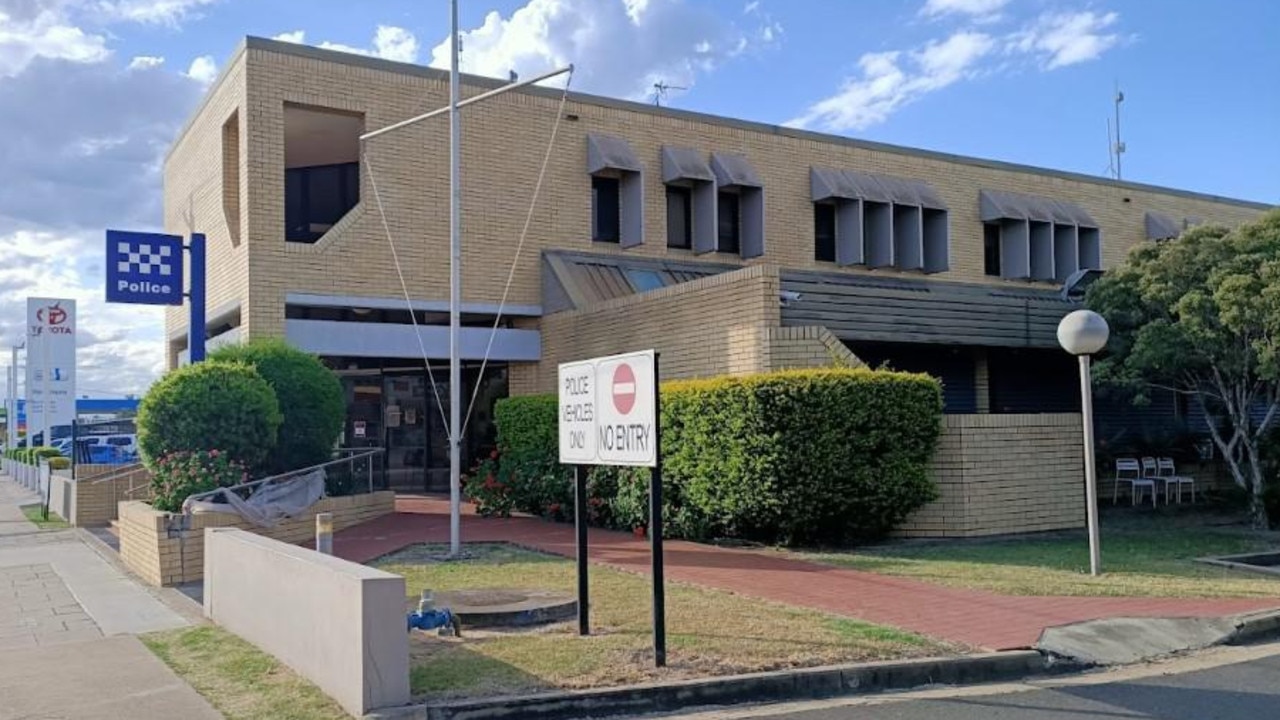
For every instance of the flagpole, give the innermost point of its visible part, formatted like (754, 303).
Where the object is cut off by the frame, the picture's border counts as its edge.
(455, 294)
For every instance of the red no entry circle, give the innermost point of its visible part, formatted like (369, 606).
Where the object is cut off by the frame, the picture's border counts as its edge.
(624, 388)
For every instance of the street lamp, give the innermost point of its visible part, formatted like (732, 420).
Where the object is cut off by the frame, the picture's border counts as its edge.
(1083, 333)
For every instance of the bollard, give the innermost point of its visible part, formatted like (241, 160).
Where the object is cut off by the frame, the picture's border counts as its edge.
(324, 533)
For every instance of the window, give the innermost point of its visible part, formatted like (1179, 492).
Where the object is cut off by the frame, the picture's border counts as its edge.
(645, 280)
(729, 233)
(824, 232)
(605, 216)
(322, 168)
(679, 217)
(991, 249)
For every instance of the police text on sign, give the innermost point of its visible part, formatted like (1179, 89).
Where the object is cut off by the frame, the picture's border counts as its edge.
(607, 411)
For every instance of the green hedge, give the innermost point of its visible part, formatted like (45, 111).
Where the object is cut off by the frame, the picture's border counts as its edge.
(795, 457)
(31, 456)
(310, 398)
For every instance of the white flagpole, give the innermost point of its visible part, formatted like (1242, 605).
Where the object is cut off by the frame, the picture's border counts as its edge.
(455, 294)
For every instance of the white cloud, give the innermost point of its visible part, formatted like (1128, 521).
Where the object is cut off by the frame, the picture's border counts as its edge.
(44, 32)
(294, 36)
(389, 43)
(619, 47)
(1062, 39)
(889, 80)
(977, 9)
(145, 62)
(203, 69)
(156, 12)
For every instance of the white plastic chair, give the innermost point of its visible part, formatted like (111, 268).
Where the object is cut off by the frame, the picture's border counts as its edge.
(1129, 471)
(1167, 474)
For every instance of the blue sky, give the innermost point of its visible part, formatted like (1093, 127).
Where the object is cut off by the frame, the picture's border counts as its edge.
(92, 92)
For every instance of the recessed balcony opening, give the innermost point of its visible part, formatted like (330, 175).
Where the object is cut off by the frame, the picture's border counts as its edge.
(322, 169)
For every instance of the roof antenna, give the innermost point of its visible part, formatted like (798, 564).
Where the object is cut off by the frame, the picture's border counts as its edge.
(1119, 146)
(660, 89)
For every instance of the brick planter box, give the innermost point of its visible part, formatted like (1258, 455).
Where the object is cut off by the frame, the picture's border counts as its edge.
(168, 548)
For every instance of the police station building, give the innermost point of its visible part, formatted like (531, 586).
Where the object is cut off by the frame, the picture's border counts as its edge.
(731, 247)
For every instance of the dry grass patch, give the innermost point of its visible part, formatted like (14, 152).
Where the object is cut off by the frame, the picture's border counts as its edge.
(709, 632)
(241, 681)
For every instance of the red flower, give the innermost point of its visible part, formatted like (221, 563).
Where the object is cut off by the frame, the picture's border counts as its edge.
(493, 455)
(213, 453)
(638, 531)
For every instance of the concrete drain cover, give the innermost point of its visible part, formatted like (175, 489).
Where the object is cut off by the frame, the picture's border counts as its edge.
(506, 607)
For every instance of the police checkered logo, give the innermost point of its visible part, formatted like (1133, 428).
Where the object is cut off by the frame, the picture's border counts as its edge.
(144, 259)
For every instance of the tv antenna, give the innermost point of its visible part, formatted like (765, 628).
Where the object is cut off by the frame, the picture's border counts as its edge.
(660, 91)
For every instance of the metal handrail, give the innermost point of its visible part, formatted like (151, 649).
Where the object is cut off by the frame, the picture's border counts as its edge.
(115, 474)
(357, 454)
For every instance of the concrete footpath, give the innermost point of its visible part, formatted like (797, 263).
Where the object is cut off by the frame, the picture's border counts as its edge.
(67, 621)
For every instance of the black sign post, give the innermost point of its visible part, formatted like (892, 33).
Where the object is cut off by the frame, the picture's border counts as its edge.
(655, 529)
(580, 523)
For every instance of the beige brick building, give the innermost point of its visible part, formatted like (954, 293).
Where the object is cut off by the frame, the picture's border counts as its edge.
(729, 246)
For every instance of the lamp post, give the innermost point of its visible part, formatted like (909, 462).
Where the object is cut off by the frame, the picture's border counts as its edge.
(1083, 333)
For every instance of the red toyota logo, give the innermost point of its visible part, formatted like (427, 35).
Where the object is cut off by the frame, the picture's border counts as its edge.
(57, 315)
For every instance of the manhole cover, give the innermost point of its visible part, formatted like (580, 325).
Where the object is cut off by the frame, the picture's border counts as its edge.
(506, 607)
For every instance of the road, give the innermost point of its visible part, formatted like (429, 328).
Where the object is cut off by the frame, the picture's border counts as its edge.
(1220, 684)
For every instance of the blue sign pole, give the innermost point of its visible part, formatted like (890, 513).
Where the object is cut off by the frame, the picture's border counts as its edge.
(196, 296)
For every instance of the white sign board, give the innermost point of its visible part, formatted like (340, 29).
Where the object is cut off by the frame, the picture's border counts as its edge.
(607, 411)
(51, 364)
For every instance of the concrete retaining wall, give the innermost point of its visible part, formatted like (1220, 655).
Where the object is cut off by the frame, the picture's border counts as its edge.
(168, 549)
(338, 624)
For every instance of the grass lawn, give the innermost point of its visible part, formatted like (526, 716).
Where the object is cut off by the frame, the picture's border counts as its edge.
(708, 632)
(242, 682)
(1148, 556)
(35, 513)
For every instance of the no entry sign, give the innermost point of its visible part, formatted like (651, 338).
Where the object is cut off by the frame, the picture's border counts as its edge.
(607, 411)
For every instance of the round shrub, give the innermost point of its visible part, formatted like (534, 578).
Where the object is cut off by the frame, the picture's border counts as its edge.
(310, 398)
(48, 452)
(59, 463)
(177, 476)
(209, 406)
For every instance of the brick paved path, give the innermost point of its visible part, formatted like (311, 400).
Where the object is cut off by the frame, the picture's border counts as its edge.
(975, 618)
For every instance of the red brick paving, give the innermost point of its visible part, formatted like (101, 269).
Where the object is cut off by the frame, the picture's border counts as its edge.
(979, 619)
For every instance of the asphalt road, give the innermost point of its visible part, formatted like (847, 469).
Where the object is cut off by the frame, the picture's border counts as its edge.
(1223, 684)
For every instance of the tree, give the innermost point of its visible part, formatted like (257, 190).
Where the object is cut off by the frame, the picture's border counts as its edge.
(310, 398)
(1200, 316)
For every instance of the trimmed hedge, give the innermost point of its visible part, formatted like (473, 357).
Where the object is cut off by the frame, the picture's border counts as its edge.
(794, 457)
(209, 406)
(32, 456)
(310, 398)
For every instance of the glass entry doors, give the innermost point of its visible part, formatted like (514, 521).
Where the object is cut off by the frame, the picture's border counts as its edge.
(405, 420)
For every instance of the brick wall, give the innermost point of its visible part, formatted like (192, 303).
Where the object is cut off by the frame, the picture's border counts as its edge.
(718, 325)
(167, 549)
(97, 500)
(789, 348)
(502, 151)
(1001, 474)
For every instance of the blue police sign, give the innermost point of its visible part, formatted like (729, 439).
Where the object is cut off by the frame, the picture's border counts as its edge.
(144, 268)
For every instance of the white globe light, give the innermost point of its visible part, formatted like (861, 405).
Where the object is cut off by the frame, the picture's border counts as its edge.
(1083, 332)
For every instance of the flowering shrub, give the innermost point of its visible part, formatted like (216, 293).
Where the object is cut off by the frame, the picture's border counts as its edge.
(179, 475)
(491, 495)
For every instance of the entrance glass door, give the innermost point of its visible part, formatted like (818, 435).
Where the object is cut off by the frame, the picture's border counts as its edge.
(406, 431)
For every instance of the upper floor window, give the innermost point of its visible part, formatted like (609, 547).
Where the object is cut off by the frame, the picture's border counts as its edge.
(1029, 237)
(679, 217)
(322, 169)
(824, 232)
(605, 211)
(729, 231)
(991, 249)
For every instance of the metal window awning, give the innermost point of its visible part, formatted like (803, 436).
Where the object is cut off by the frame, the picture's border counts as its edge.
(1003, 205)
(680, 163)
(734, 171)
(606, 152)
(826, 184)
(1161, 226)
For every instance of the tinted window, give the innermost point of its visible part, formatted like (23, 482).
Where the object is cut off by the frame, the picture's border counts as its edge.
(679, 217)
(991, 249)
(605, 216)
(824, 232)
(645, 280)
(316, 198)
(729, 235)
